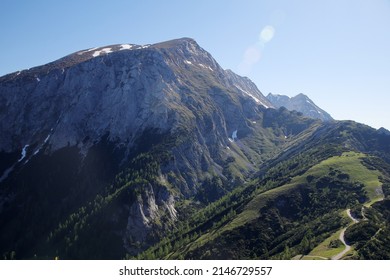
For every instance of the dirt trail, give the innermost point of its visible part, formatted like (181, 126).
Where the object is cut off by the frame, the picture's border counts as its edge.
(342, 238)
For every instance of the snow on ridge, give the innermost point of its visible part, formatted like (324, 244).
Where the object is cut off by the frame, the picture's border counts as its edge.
(251, 95)
(188, 62)
(126, 47)
(89, 50)
(102, 51)
(143, 47)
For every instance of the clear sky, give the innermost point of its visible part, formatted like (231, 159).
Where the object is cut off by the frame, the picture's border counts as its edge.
(335, 51)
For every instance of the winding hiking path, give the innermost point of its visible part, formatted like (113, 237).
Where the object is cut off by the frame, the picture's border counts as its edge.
(355, 221)
(342, 238)
(379, 197)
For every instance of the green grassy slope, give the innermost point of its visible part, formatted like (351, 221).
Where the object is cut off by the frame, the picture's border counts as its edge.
(284, 218)
(348, 163)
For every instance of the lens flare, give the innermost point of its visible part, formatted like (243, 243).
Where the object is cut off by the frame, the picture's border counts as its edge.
(252, 55)
(267, 33)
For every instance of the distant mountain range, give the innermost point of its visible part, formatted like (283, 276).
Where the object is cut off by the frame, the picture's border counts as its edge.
(156, 152)
(300, 103)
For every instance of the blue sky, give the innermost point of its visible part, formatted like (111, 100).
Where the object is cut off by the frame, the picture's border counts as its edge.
(335, 51)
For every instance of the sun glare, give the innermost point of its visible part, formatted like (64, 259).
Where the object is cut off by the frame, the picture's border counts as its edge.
(267, 33)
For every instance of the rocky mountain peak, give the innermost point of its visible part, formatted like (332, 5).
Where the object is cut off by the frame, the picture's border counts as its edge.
(384, 131)
(301, 103)
(118, 89)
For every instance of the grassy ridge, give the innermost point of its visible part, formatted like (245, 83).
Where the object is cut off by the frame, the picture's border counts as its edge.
(348, 167)
(349, 163)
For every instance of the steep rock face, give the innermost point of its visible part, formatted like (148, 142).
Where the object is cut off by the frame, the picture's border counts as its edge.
(143, 84)
(149, 209)
(300, 103)
(103, 94)
(69, 127)
(122, 91)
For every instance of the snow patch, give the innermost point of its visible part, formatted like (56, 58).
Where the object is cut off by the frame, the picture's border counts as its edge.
(44, 142)
(316, 111)
(254, 122)
(206, 67)
(231, 140)
(143, 47)
(102, 51)
(89, 50)
(234, 135)
(188, 62)
(24, 152)
(251, 95)
(38, 79)
(47, 139)
(125, 47)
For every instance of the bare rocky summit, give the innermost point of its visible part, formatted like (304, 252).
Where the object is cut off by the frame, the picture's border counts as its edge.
(300, 103)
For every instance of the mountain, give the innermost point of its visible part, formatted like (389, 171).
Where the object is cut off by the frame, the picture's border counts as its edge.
(300, 103)
(298, 204)
(76, 130)
(384, 131)
(155, 151)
